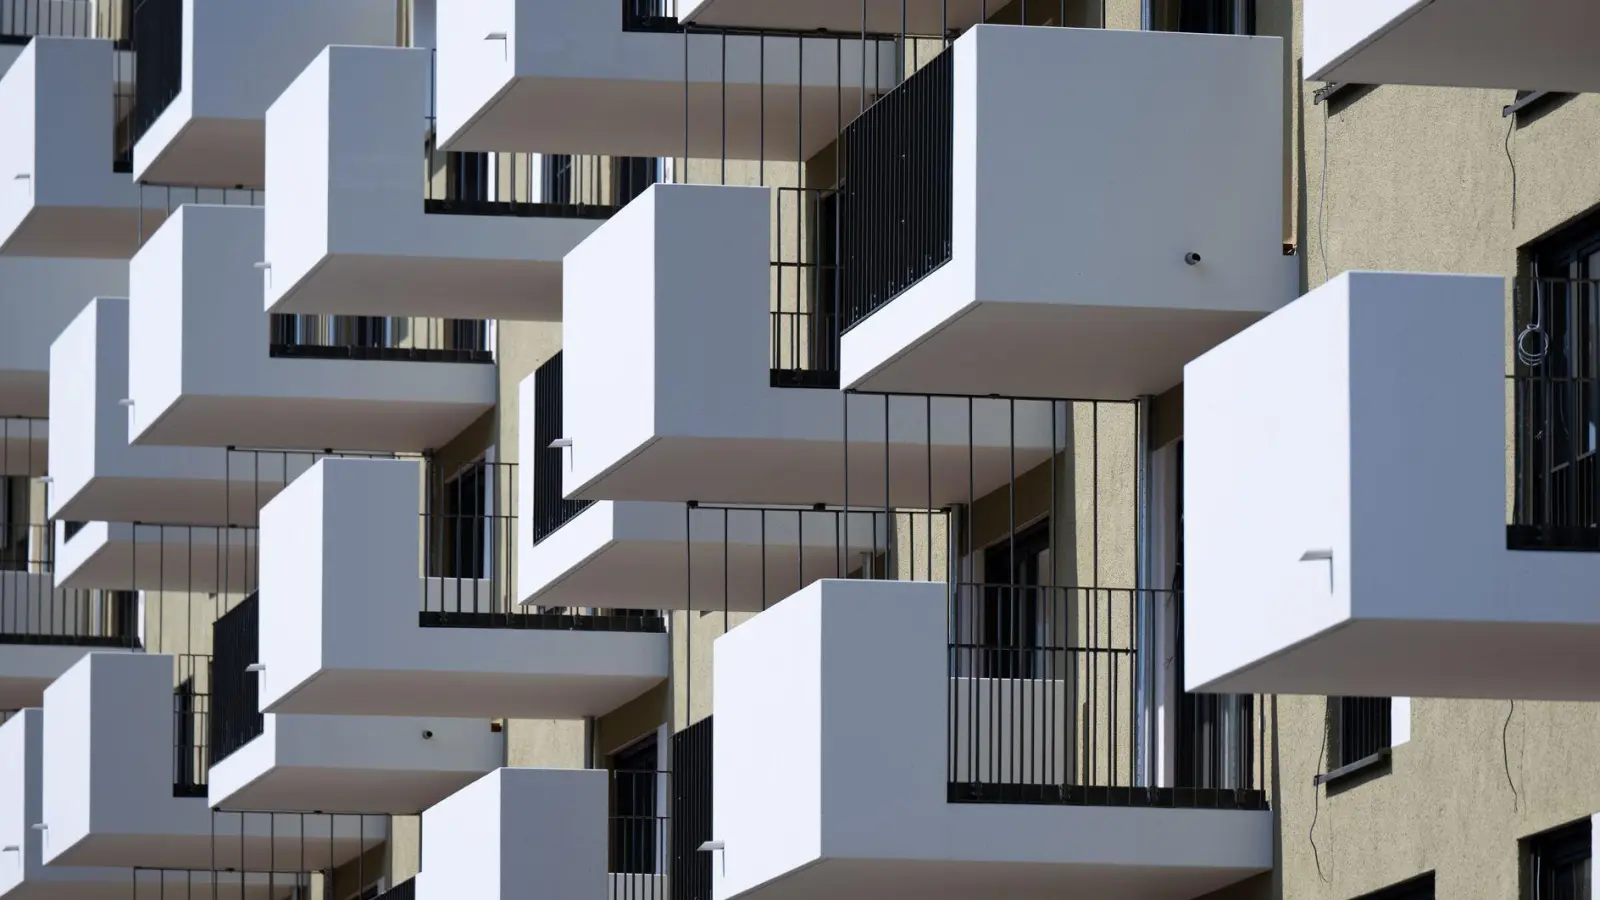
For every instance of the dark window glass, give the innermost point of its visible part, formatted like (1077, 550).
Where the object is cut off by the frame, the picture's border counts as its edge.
(1557, 863)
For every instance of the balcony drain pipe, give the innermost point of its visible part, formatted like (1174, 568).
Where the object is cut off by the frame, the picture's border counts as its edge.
(1147, 15)
(1145, 607)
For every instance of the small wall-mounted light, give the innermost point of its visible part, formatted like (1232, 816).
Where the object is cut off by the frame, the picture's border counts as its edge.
(427, 734)
(712, 846)
(40, 826)
(256, 667)
(1191, 258)
(125, 401)
(10, 848)
(560, 443)
(263, 265)
(22, 176)
(495, 36)
(46, 479)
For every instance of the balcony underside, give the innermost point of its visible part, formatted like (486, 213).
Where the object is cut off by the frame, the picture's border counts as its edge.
(849, 879)
(637, 117)
(149, 884)
(28, 665)
(1468, 660)
(24, 393)
(94, 232)
(268, 840)
(633, 556)
(307, 423)
(374, 764)
(1029, 349)
(1525, 45)
(414, 692)
(915, 17)
(228, 497)
(24, 446)
(122, 556)
(199, 151)
(410, 285)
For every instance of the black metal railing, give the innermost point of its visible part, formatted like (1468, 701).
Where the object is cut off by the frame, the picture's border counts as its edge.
(1363, 729)
(1555, 401)
(157, 37)
(191, 711)
(123, 110)
(469, 521)
(21, 20)
(895, 220)
(551, 509)
(235, 718)
(805, 288)
(651, 15)
(391, 338)
(638, 835)
(33, 611)
(691, 812)
(1044, 707)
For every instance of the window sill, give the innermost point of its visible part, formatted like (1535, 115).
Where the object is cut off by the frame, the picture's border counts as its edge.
(1349, 772)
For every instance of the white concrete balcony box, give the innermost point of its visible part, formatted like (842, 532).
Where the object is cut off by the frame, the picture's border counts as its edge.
(23, 874)
(347, 231)
(668, 395)
(38, 297)
(1079, 263)
(890, 17)
(124, 556)
(109, 768)
(201, 370)
(59, 193)
(518, 827)
(846, 687)
(631, 554)
(573, 76)
(344, 629)
(1513, 44)
(1346, 501)
(376, 764)
(227, 66)
(97, 476)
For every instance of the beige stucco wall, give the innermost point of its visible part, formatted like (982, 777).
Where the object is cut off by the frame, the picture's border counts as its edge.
(1418, 179)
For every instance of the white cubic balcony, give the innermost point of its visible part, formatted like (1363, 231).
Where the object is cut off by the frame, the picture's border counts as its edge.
(848, 688)
(124, 556)
(1346, 500)
(573, 76)
(348, 230)
(668, 391)
(376, 764)
(350, 625)
(518, 827)
(38, 297)
(630, 554)
(1054, 260)
(208, 70)
(97, 476)
(61, 192)
(209, 367)
(23, 874)
(111, 763)
(891, 17)
(1513, 44)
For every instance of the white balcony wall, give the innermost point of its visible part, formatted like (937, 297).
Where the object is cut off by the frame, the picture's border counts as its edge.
(1512, 44)
(346, 230)
(667, 390)
(561, 76)
(341, 593)
(200, 373)
(1345, 507)
(58, 193)
(98, 476)
(108, 773)
(518, 829)
(1086, 165)
(23, 874)
(237, 59)
(375, 764)
(845, 687)
(38, 297)
(632, 555)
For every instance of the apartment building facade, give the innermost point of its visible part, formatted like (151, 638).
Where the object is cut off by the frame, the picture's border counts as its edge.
(763, 463)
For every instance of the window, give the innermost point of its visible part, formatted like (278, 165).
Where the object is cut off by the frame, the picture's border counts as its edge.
(1556, 863)
(1362, 728)
(556, 176)
(634, 804)
(1206, 16)
(14, 523)
(460, 540)
(631, 176)
(1012, 637)
(467, 176)
(1420, 888)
